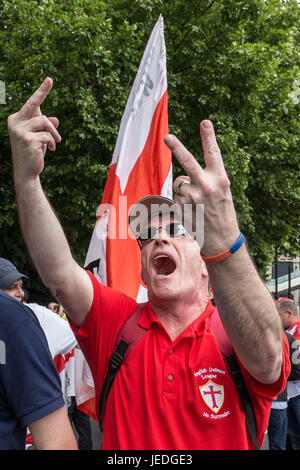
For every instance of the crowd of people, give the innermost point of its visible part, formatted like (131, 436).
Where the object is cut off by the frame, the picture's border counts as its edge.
(31, 394)
(175, 388)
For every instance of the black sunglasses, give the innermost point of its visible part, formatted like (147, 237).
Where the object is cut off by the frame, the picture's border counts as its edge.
(174, 229)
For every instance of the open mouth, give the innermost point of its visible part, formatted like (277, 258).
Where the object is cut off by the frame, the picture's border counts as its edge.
(164, 265)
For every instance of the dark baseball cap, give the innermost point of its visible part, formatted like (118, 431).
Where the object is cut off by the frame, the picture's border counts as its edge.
(8, 273)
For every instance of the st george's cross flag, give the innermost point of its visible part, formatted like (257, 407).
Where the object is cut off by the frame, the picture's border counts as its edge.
(141, 166)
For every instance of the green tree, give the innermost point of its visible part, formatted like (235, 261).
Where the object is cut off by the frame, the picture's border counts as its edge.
(71, 42)
(235, 62)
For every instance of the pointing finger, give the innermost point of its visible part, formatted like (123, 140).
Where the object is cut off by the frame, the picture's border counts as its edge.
(184, 158)
(31, 107)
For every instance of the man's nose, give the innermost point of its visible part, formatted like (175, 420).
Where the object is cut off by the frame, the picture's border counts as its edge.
(162, 238)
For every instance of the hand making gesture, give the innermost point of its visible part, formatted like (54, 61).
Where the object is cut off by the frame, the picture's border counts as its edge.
(31, 133)
(209, 186)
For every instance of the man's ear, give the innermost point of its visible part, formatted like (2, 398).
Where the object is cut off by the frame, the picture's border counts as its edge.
(291, 315)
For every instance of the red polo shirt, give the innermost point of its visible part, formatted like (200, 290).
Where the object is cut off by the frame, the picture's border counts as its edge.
(169, 394)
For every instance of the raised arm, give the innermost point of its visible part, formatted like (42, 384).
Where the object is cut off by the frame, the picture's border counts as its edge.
(30, 135)
(246, 308)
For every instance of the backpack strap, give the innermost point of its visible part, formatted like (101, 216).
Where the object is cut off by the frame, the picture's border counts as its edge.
(238, 380)
(220, 334)
(235, 372)
(129, 335)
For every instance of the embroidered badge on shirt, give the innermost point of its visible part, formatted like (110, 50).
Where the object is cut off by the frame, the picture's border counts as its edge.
(213, 395)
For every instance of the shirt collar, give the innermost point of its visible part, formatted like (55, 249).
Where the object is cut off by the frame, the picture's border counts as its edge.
(148, 317)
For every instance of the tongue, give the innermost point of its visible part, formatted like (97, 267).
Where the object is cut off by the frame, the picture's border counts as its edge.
(165, 266)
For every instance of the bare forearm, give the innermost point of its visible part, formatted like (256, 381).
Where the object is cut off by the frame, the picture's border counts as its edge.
(246, 308)
(248, 314)
(42, 232)
(31, 134)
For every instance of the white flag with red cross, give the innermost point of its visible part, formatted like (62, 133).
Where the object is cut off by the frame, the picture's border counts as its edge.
(141, 166)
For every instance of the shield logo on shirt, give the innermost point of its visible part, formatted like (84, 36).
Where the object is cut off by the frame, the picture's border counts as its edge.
(213, 395)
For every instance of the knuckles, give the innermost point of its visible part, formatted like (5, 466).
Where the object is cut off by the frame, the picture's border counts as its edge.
(213, 151)
(17, 132)
(224, 181)
(44, 120)
(209, 187)
(30, 103)
(27, 138)
(10, 121)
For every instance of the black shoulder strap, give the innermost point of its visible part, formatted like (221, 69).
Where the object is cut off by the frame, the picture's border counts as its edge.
(129, 335)
(238, 380)
(227, 351)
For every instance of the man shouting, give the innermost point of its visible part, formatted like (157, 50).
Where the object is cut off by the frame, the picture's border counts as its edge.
(174, 390)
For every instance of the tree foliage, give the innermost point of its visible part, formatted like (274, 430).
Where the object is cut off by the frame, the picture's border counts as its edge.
(235, 62)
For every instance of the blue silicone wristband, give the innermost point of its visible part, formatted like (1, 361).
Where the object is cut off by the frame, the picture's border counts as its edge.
(237, 244)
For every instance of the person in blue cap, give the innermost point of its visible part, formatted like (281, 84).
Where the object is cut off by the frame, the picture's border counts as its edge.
(30, 388)
(11, 280)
